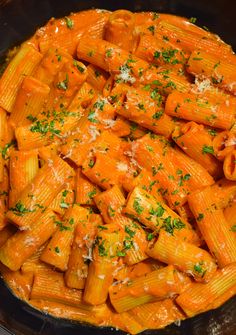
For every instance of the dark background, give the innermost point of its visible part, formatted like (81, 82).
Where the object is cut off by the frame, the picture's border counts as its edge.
(18, 21)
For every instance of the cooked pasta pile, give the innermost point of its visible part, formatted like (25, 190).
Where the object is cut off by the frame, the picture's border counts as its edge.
(118, 169)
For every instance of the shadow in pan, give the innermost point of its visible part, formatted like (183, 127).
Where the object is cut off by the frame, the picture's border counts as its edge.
(18, 21)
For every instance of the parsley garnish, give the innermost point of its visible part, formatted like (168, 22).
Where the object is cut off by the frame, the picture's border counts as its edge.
(6, 147)
(111, 211)
(192, 20)
(151, 29)
(92, 193)
(31, 118)
(101, 249)
(69, 22)
(129, 231)
(198, 268)
(63, 85)
(200, 217)
(20, 209)
(158, 115)
(233, 228)
(170, 226)
(137, 207)
(91, 163)
(61, 226)
(57, 250)
(80, 68)
(207, 149)
(150, 236)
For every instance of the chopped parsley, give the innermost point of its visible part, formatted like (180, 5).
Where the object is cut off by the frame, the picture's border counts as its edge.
(193, 20)
(109, 53)
(57, 250)
(63, 203)
(6, 147)
(63, 85)
(212, 132)
(207, 149)
(198, 269)
(158, 115)
(233, 228)
(200, 217)
(43, 127)
(102, 250)
(121, 253)
(80, 68)
(91, 116)
(150, 236)
(61, 225)
(137, 207)
(129, 231)
(97, 73)
(171, 225)
(111, 211)
(31, 118)
(159, 211)
(184, 178)
(92, 193)
(91, 163)
(141, 106)
(20, 209)
(151, 29)
(156, 54)
(69, 22)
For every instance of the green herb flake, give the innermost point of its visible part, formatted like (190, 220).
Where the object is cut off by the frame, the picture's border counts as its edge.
(111, 211)
(57, 250)
(156, 54)
(97, 73)
(207, 150)
(157, 115)
(193, 20)
(109, 53)
(92, 193)
(129, 231)
(137, 207)
(63, 85)
(20, 209)
(198, 269)
(233, 228)
(121, 254)
(212, 132)
(200, 217)
(141, 106)
(102, 227)
(171, 225)
(69, 22)
(61, 225)
(150, 236)
(91, 163)
(4, 151)
(31, 118)
(80, 68)
(101, 249)
(151, 29)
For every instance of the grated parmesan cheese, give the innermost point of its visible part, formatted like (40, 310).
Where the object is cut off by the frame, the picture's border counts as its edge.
(94, 133)
(109, 123)
(125, 75)
(121, 166)
(202, 86)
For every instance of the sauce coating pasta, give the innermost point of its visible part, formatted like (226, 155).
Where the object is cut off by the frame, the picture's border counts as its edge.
(118, 169)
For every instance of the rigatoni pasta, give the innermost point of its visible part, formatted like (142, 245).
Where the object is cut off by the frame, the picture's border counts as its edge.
(117, 169)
